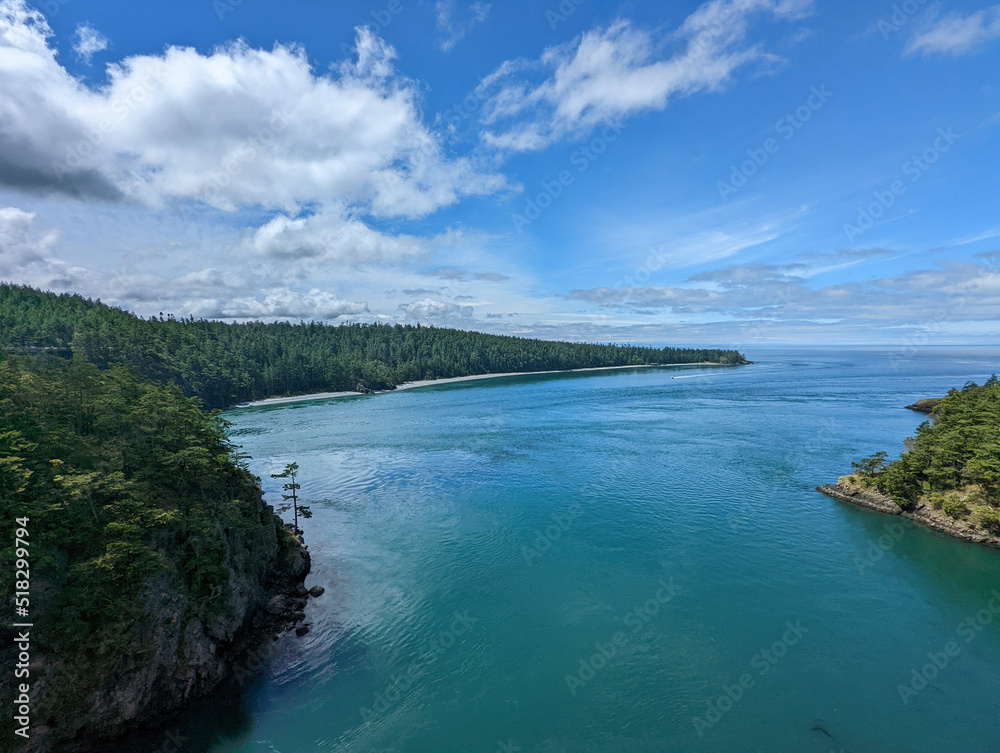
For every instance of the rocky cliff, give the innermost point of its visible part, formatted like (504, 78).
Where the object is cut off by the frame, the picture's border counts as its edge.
(178, 650)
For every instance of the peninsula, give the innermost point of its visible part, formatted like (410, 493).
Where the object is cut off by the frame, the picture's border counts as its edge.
(950, 477)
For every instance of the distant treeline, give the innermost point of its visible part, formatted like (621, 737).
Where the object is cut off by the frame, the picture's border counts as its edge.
(223, 364)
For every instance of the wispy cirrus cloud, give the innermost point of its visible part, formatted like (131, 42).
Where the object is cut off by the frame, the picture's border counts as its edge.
(958, 34)
(610, 73)
(452, 29)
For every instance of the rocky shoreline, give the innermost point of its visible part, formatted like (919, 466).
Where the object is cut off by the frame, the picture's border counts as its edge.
(178, 659)
(933, 519)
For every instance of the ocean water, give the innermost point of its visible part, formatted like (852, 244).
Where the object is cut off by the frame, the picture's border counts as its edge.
(633, 560)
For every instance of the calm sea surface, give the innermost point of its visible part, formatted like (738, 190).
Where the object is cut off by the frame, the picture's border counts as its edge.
(623, 561)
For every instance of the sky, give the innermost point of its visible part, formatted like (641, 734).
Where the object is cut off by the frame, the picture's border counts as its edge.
(724, 173)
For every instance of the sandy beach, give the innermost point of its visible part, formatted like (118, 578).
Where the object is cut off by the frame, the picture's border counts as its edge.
(453, 380)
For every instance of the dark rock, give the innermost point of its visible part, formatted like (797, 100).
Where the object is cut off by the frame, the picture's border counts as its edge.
(925, 406)
(178, 658)
(301, 630)
(316, 591)
(277, 605)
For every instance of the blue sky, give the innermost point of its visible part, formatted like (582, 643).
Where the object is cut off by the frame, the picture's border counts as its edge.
(730, 172)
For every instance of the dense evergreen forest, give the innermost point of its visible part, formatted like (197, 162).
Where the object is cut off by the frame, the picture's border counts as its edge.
(110, 469)
(953, 463)
(123, 491)
(224, 364)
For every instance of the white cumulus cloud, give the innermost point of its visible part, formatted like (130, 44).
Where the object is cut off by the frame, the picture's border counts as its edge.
(20, 245)
(330, 237)
(234, 128)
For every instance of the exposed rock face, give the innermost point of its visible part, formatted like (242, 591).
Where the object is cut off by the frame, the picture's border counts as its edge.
(922, 513)
(176, 655)
(925, 406)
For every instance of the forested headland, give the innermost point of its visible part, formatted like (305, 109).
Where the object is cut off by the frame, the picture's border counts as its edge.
(950, 475)
(150, 551)
(224, 364)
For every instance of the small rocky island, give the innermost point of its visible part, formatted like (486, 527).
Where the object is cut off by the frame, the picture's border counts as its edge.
(949, 478)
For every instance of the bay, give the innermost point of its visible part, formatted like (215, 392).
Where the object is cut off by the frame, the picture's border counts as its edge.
(630, 560)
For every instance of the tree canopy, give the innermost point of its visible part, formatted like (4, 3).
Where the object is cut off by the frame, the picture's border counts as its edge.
(954, 461)
(113, 472)
(136, 504)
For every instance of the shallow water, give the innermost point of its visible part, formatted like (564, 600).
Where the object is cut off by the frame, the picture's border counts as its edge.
(588, 562)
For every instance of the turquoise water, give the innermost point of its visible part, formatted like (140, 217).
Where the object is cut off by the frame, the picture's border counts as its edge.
(624, 561)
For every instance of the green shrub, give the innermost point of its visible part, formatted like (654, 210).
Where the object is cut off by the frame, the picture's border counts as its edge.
(954, 506)
(988, 518)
